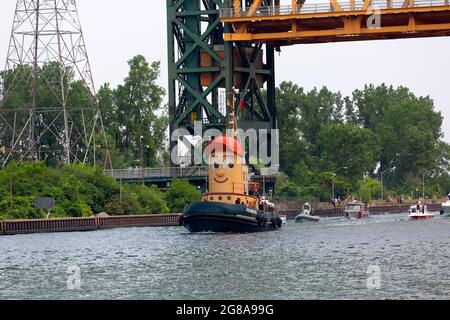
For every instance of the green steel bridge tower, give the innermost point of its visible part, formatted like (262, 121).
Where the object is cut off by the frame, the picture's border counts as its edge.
(204, 70)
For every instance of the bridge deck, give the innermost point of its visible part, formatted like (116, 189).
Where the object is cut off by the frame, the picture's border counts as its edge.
(338, 21)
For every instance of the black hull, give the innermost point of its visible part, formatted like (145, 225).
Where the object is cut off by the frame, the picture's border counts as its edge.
(222, 217)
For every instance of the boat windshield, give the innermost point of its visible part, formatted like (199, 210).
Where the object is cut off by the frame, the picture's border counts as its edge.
(353, 207)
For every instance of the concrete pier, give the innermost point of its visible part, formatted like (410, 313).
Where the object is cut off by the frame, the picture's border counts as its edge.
(10, 227)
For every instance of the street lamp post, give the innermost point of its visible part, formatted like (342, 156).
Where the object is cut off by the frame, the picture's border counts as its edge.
(10, 188)
(381, 181)
(332, 180)
(141, 156)
(423, 186)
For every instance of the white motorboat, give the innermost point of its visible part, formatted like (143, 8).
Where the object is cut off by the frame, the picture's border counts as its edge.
(356, 210)
(307, 214)
(420, 212)
(445, 208)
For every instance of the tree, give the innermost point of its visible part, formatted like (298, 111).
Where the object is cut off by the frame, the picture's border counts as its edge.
(290, 98)
(135, 118)
(319, 107)
(377, 128)
(16, 92)
(408, 128)
(78, 190)
(179, 194)
(286, 188)
(348, 147)
(369, 189)
(150, 198)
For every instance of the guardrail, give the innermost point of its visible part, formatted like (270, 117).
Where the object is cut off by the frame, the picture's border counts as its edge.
(12, 227)
(311, 8)
(169, 172)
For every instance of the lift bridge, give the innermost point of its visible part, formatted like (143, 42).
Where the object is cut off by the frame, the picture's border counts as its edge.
(216, 47)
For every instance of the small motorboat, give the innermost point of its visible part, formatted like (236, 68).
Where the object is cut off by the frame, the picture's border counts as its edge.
(420, 212)
(356, 210)
(445, 208)
(307, 214)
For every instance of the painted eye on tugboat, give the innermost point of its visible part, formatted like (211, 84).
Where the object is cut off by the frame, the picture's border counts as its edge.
(216, 165)
(228, 164)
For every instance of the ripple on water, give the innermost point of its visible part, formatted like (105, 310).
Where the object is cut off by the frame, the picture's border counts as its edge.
(325, 260)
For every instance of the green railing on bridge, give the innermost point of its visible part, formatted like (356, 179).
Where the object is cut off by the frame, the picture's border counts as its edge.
(165, 173)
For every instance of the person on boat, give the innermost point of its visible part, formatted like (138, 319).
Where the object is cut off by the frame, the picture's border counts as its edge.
(238, 201)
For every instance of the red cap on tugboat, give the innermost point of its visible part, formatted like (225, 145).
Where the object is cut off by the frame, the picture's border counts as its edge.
(224, 143)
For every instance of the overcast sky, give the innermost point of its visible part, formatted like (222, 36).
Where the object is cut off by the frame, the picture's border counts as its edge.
(116, 30)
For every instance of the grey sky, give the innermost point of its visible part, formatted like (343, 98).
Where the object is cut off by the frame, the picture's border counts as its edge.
(116, 30)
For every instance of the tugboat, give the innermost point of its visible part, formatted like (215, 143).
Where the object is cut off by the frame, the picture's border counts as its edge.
(229, 207)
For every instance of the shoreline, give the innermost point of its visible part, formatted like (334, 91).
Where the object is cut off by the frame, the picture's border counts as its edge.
(14, 227)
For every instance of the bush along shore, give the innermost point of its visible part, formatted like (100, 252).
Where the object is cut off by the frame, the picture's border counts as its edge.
(83, 191)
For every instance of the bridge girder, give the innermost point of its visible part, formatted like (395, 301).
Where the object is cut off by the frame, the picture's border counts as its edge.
(204, 69)
(337, 21)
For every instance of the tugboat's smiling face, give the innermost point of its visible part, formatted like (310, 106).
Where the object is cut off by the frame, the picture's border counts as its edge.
(222, 169)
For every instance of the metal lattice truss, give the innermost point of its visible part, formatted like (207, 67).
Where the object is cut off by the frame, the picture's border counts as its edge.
(47, 65)
(299, 21)
(204, 70)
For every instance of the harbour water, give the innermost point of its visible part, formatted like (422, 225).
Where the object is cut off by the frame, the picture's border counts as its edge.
(384, 257)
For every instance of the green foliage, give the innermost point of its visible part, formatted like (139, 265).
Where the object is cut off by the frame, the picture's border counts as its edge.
(127, 205)
(375, 129)
(344, 145)
(16, 90)
(150, 199)
(285, 187)
(79, 191)
(369, 189)
(179, 194)
(408, 128)
(133, 115)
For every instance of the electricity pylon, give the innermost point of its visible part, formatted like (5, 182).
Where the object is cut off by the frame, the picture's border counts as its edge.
(48, 101)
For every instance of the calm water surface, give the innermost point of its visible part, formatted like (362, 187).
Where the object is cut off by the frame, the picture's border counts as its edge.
(325, 260)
